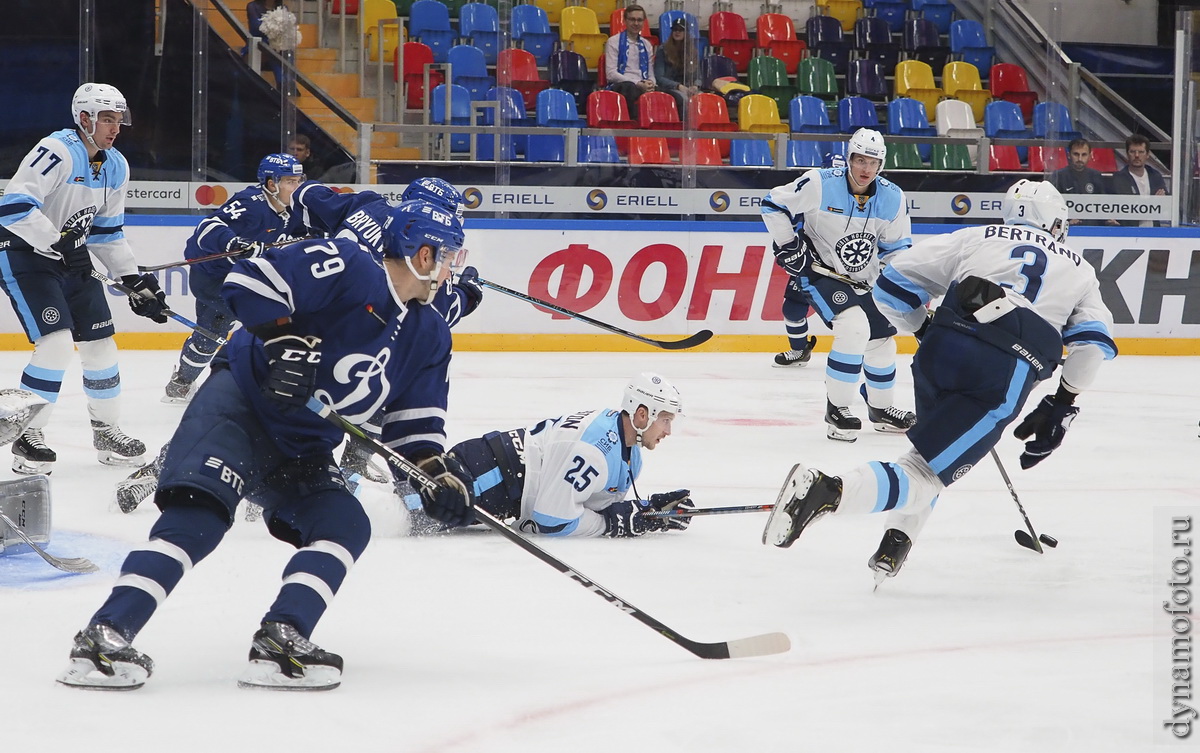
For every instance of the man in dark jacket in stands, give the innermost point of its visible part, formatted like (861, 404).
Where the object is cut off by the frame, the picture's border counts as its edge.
(1138, 178)
(1079, 179)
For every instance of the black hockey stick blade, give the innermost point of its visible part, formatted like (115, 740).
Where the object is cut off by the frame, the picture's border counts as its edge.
(690, 341)
(66, 564)
(1024, 539)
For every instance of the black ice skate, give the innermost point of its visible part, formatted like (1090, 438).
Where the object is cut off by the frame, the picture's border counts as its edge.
(796, 357)
(101, 659)
(807, 494)
(356, 458)
(31, 455)
(889, 557)
(841, 424)
(891, 420)
(115, 447)
(177, 391)
(282, 659)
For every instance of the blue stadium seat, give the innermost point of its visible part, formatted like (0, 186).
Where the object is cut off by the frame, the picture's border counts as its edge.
(808, 114)
(906, 117)
(568, 71)
(855, 113)
(1004, 120)
(429, 23)
(805, 154)
(968, 42)
(1052, 121)
(460, 113)
(940, 12)
(512, 113)
(666, 18)
(479, 25)
(825, 40)
(555, 110)
(891, 11)
(531, 27)
(747, 153)
(873, 39)
(468, 69)
(598, 149)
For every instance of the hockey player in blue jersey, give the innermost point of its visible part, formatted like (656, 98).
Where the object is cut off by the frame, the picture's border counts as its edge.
(1015, 295)
(255, 217)
(569, 476)
(65, 202)
(833, 229)
(321, 319)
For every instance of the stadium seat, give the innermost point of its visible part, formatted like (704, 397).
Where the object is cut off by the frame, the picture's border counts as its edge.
(805, 154)
(1103, 159)
(1047, 159)
(468, 69)
(914, 79)
(580, 32)
(708, 112)
(1009, 82)
(1052, 121)
(657, 111)
(454, 7)
(553, 8)
(569, 72)
(714, 67)
(479, 25)
(608, 109)
(374, 11)
(768, 76)
(415, 57)
(950, 157)
(531, 27)
(921, 41)
(777, 35)
(816, 77)
(649, 150)
(1004, 158)
(855, 113)
(701, 152)
(866, 79)
(826, 40)
(903, 156)
(511, 114)
(956, 120)
(598, 149)
(518, 69)
(968, 42)
(938, 12)
(808, 114)
(845, 11)
(961, 81)
(1002, 120)
(873, 39)
(460, 113)
(335, 7)
(748, 153)
(555, 110)
(429, 23)
(906, 117)
(891, 11)
(760, 114)
(727, 32)
(606, 8)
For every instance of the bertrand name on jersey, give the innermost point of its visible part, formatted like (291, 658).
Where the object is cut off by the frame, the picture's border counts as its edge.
(1018, 233)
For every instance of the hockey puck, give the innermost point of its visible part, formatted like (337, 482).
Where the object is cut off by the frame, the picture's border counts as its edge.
(1049, 541)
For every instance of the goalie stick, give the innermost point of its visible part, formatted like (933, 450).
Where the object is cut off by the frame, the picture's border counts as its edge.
(1030, 540)
(218, 339)
(758, 645)
(686, 513)
(66, 564)
(690, 341)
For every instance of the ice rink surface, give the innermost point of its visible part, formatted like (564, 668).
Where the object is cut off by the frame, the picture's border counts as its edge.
(465, 643)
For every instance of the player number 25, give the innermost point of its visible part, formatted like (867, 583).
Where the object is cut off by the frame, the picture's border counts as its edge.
(580, 476)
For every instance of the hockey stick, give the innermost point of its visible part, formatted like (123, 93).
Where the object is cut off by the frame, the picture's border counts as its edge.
(758, 645)
(177, 317)
(66, 564)
(686, 513)
(825, 271)
(1030, 540)
(690, 341)
(211, 257)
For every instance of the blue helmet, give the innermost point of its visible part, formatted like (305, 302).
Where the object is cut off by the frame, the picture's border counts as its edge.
(413, 224)
(276, 166)
(437, 192)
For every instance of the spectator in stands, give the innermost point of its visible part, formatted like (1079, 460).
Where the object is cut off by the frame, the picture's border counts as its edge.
(1138, 178)
(300, 147)
(629, 60)
(677, 66)
(1077, 178)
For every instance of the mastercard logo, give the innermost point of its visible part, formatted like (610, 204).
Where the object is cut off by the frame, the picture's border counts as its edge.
(960, 204)
(473, 197)
(597, 199)
(211, 196)
(342, 189)
(719, 201)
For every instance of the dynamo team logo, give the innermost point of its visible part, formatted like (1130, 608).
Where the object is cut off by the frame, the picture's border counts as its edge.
(472, 198)
(719, 201)
(597, 199)
(960, 204)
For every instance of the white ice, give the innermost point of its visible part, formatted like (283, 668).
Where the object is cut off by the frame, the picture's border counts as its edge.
(466, 643)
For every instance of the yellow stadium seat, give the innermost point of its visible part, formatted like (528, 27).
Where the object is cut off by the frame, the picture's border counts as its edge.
(845, 11)
(758, 113)
(580, 32)
(371, 13)
(961, 81)
(915, 79)
(553, 8)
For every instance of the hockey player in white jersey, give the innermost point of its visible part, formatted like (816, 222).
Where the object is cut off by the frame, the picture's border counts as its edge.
(1015, 295)
(569, 476)
(65, 202)
(833, 229)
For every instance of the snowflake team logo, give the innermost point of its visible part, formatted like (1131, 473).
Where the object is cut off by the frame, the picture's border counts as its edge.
(856, 251)
(962, 471)
(840, 298)
(50, 315)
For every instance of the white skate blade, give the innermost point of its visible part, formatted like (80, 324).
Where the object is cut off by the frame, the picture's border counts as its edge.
(880, 577)
(30, 468)
(889, 429)
(108, 457)
(176, 400)
(265, 675)
(841, 435)
(779, 524)
(82, 674)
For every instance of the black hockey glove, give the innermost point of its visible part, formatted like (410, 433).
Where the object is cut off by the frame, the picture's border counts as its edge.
(246, 249)
(1048, 424)
(468, 283)
(294, 361)
(73, 247)
(452, 500)
(794, 256)
(920, 333)
(623, 520)
(147, 299)
(680, 499)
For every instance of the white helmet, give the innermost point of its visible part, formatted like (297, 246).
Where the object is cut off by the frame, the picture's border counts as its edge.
(868, 143)
(654, 392)
(95, 99)
(1037, 203)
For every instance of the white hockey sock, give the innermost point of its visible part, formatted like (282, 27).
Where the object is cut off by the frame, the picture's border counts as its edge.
(843, 368)
(908, 485)
(879, 365)
(44, 374)
(101, 379)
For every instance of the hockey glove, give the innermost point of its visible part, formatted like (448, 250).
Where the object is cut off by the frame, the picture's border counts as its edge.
(794, 256)
(468, 283)
(920, 333)
(623, 520)
(294, 361)
(246, 249)
(680, 499)
(1048, 424)
(147, 299)
(451, 501)
(73, 248)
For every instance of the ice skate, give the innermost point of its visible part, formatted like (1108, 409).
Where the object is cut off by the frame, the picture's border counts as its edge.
(101, 659)
(890, 420)
(115, 447)
(282, 659)
(889, 557)
(177, 391)
(31, 455)
(356, 458)
(134, 489)
(801, 357)
(807, 494)
(840, 423)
